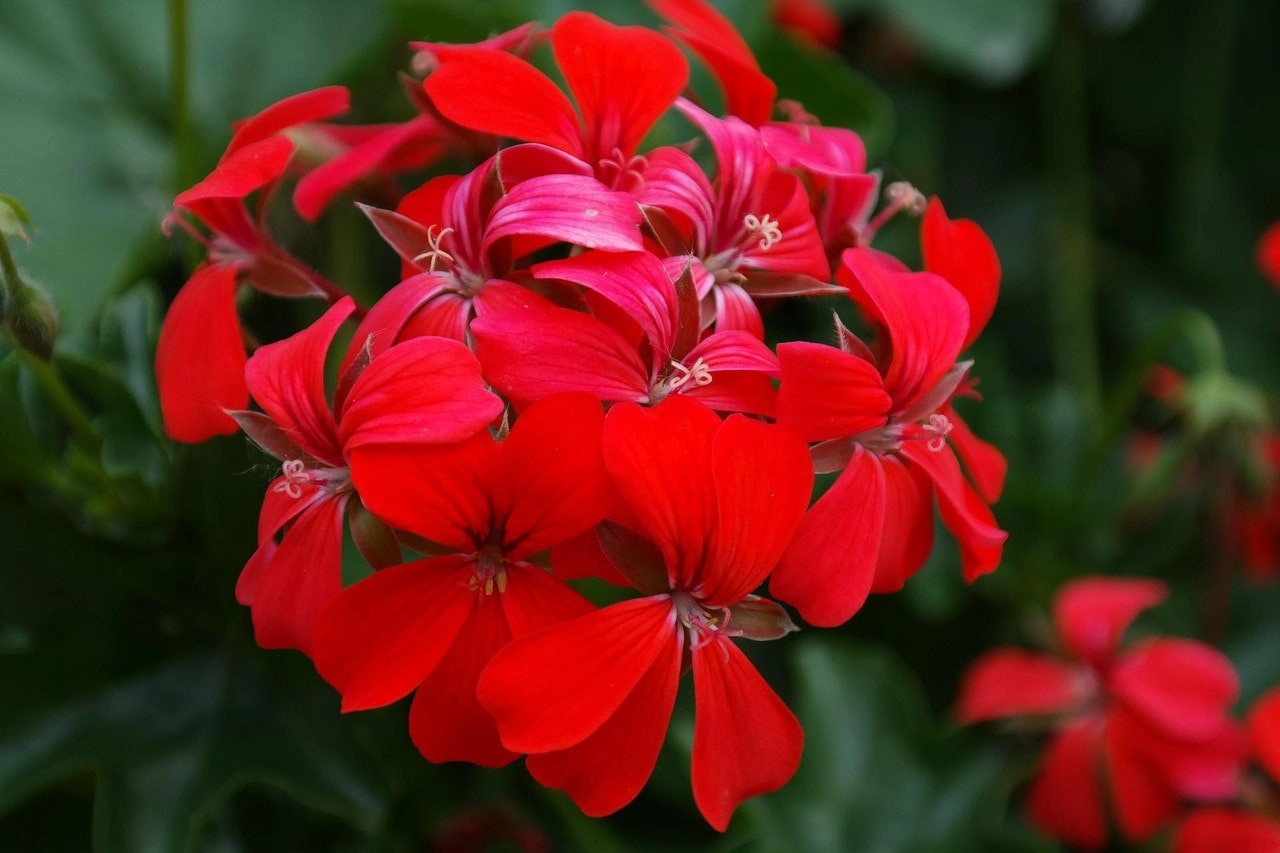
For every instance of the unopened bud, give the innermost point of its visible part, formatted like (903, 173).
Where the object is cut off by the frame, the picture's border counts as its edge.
(31, 318)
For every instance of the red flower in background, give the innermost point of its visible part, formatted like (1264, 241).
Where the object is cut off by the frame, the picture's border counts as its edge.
(1269, 254)
(427, 390)
(1253, 525)
(590, 699)
(432, 625)
(1144, 727)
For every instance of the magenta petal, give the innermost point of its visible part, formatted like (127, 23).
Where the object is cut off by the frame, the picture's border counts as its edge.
(735, 310)
(568, 208)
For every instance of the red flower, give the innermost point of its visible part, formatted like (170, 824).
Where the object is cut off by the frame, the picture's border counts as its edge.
(884, 419)
(622, 79)
(812, 20)
(590, 699)
(650, 352)
(200, 356)
(433, 624)
(1153, 719)
(426, 390)
(1269, 254)
(1253, 525)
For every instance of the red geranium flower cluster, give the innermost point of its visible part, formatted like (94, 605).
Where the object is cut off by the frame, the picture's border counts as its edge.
(571, 381)
(1145, 727)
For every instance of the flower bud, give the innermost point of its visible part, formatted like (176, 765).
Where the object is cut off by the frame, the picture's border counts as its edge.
(30, 316)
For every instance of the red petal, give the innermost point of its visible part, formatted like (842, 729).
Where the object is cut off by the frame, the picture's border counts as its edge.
(1065, 799)
(200, 357)
(492, 91)
(826, 393)
(379, 639)
(535, 600)
(1013, 683)
(1269, 254)
(1264, 730)
(1182, 687)
(907, 539)
(964, 512)
(287, 379)
(809, 19)
(531, 353)
(660, 461)
(438, 492)
(383, 325)
(827, 570)
(569, 208)
(745, 739)
(984, 463)
(553, 484)
(582, 557)
(445, 720)
(926, 319)
(959, 251)
(304, 573)
(735, 310)
(421, 390)
(1092, 614)
(763, 479)
(552, 689)
(1218, 830)
(239, 174)
(1145, 798)
(316, 105)
(610, 767)
(623, 78)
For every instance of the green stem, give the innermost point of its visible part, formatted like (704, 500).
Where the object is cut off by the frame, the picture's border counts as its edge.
(10, 281)
(53, 388)
(179, 104)
(1072, 283)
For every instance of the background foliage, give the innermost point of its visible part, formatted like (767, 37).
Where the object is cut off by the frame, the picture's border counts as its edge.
(1121, 153)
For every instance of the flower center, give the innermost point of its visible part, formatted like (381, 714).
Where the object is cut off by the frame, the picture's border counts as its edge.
(436, 253)
(296, 475)
(698, 373)
(768, 228)
(625, 174)
(700, 624)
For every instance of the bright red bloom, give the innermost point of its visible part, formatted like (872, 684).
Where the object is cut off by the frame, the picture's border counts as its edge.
(590, 699)
(645, 355)
(813, 20)
(884, 419)
(622, 80)
(1154, 719)
(433, 624)
(200, 356)
(426, 390)
(1269, 254)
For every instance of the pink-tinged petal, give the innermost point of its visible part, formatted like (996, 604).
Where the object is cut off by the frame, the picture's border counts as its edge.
(736, 311)
(239, 174)
(623, 78)
(553, 485)
(800, 251)
(826, 393)
(733, 351)
(446, 722)
(963, 510)
(379, 639)
(748, 93)
(568, 208)
(609, 768)
(499, 295)
(531, 353)
(660, 461)
(440, 492)
(1065, 799)
(675, 185)
(827, 151)
(1264, 731)
(494, 92)
(763, 479)
(1014, 683)
(1145, 799)
(304, 573)
(959, 251)
(287, 379)
(316, 105)
(200, 357)
(1217, 830)
(634, 281)
(1182, 687)
(1092, 613)
(418, 141)
(983, 462)
(1269, 254)
(925, 316)
(907, 539)
(745, 739)
(827, 570)
(552, 689)
(448, 315)
(421, 390)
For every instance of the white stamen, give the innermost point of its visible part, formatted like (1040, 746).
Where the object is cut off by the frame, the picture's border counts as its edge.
(698, 372)
(436, 252)
(295, 474)
(768, 229)
(940, 426)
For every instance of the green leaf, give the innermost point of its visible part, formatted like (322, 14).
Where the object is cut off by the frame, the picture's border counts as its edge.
(877, 774)
(170, 747)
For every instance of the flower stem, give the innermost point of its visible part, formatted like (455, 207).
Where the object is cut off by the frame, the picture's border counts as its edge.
(57, 393)
(179, 103)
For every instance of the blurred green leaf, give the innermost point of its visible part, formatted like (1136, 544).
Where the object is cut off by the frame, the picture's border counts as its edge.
(22, 458)
(13, 217)
(170, 747)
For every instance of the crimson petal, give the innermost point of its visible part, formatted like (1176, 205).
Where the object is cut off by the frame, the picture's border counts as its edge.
(1182, 687)
(1014, 683)
(1065, 799)
(1092, 614)
(826, 393)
